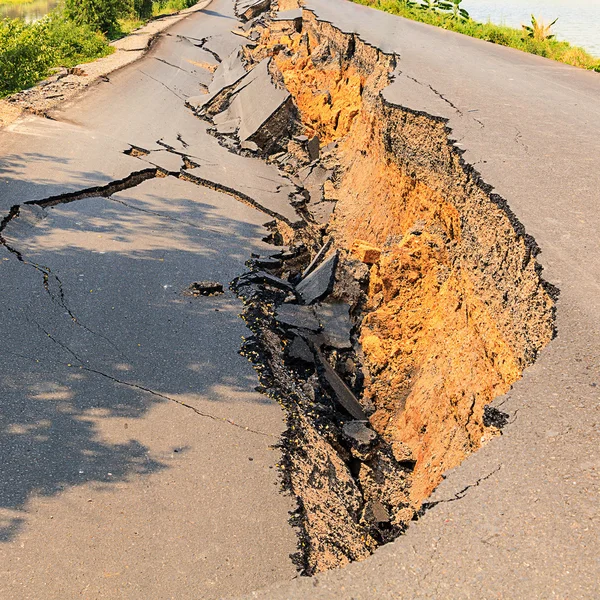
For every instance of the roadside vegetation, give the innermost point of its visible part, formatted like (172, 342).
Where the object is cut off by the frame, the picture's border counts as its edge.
(76, 32)
(535, 37)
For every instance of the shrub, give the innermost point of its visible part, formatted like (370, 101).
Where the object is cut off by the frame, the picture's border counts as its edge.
(100, 15)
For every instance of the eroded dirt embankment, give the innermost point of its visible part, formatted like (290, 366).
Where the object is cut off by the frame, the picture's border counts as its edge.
(456, 308)
(446, 300)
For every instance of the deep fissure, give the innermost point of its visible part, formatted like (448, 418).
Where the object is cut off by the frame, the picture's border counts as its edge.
(446, 299)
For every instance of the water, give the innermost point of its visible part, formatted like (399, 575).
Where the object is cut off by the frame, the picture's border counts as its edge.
(31, 11)
(578, 20)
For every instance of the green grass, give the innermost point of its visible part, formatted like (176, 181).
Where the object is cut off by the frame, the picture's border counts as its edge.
(497, 34)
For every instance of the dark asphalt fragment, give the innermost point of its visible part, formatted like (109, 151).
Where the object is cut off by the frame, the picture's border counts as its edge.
(248, 9)
(294, 315)
(358, 433)
(343, 393)
(492, 417)
(318, 257)
(319, 283)
(264, 278)
(335, 320)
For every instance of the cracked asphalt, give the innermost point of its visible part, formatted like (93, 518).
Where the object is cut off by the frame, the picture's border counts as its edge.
(135, 453)
(136, 457)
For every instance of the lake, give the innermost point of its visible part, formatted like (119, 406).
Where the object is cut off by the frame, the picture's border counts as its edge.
(578, 20)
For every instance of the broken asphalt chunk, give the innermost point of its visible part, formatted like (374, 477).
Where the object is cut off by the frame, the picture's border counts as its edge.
(318, 257)
(263, 110)
(336, 324)
(313, 147)
(267, 262)
(294, 315)
(319, 283)
(359, 434)
(265, 278)
(343, 393)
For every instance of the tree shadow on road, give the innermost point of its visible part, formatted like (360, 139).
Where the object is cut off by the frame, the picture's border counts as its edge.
(96, 328)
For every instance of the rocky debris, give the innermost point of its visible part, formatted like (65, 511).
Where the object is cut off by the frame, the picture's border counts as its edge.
(294, 315)
(319, 282)
(264, 278)
(335, 322)
(206, 288)
(403, 454)
(359, 434)
(344, 475)
(313, 177)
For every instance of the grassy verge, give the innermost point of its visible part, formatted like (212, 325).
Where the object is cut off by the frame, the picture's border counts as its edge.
(29, 52)
(497, 34)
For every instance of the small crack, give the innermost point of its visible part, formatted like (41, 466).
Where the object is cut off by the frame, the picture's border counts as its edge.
(142, 388)
(166, 62)
(182, 141)
(175, 401)
(439, 94)
(459, 495)
(164, 85)
(59, 300)
(519, 140)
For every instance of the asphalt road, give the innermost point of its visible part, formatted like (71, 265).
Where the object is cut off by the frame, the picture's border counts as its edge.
(136, 457)
(520, 518)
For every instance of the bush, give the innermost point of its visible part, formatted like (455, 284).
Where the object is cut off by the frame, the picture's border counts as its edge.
(29, 51)
(74, 44)
(25, 55)
(100, 15)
